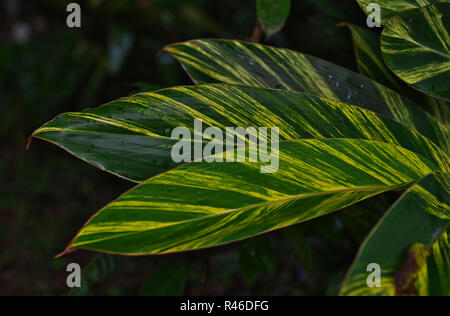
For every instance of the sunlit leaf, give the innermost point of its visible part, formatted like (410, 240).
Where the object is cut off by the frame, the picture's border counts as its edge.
(369, 58)
(131, 137)
(203, 204)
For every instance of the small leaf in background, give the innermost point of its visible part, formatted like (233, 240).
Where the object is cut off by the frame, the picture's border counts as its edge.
(257, 255)
(273, 14)
(416, 46)
(169, 280)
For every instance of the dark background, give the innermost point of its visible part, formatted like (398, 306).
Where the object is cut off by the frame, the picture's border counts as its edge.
(46, 195)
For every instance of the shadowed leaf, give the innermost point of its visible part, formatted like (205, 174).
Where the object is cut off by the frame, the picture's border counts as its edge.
(416, 46)
(421, 215)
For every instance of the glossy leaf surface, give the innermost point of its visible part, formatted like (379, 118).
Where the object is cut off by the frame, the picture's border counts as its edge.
(131, 137)
(202, 204)
(235, 62)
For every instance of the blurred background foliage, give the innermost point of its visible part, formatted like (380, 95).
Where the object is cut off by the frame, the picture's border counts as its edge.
(46, 194)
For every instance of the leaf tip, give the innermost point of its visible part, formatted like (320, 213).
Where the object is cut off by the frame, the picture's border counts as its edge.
(62, 254)
(167, 49)
(30, 140)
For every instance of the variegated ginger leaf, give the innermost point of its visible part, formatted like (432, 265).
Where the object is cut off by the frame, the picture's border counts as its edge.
(420, 216)
(131, 137)
(235, 62)
(203, 204)
(416, 46)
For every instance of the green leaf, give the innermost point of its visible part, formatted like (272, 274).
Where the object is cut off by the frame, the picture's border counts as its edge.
(131, 137)
(416, 46)
(389, 8)
(421, 215)
(235, 62)
(440, 109)
(371, 64)
(203, 204)
(272, 14)
(435, 277)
